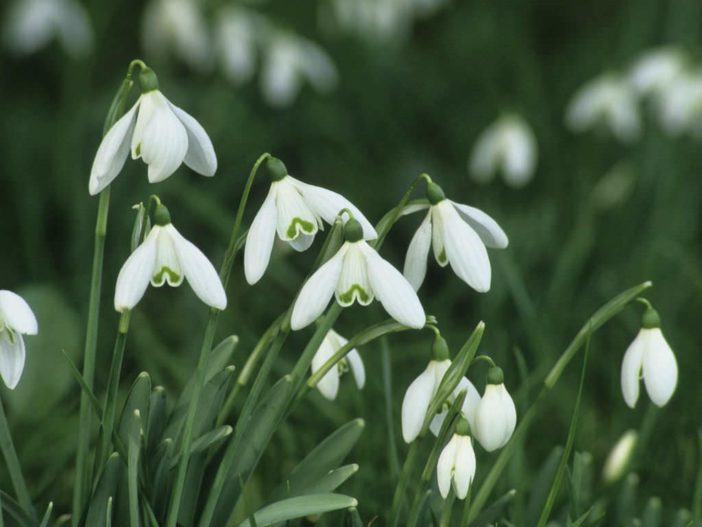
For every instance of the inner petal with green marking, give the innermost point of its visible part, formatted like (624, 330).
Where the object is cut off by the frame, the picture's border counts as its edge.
(437, 242)
(167, 267)
(353, 281)
(294, 216)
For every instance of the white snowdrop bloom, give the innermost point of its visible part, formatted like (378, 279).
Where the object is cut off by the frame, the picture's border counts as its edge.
(458, 234)
(378, 20)
(508, 145)
(619, 457)
(679, 106)
(32, 24)
(178, 27)
(295, 210)
(235, 35)
(329, 384)
(419, 394)
(16, 319)
(289, 60)
(649, 356)
(157, 131)
(609, 102)
(456, 464)
(656, 70)
(495, 416)
(357, 273)
(165, 256)
(470, 405)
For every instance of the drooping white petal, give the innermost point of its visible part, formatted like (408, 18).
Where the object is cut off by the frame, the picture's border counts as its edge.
(16, 314)
(294, 215)
(357, 369)
(200, 155)
(112, 152)
(12, 356)
(489, 231)
(417, 253)
(134, 277)
(354, 283)
(510, 413)
(495, 418)
(327, 204)
(415, 404)
(167, 264)
(631, 369)
(315, 294)
(465, 251)
(393, 290)
(519, 151)
(199, 271)
(281, 78)
(485, 156)
(259, 240)
(464, 467)
(660, 370)
(164, 141)
(445, 467)
(470, 404)
(329, 384)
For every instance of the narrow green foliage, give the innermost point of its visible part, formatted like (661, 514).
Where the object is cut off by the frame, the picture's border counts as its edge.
(389, 422)
(299, 507)
(15, 511)
(697, 496)
(46, 518)
(106, 489)
(494, 511)
(97, 407)
(13, 466)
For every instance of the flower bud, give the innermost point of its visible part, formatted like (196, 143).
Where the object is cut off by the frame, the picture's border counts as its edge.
(496, 416)
(620, 456)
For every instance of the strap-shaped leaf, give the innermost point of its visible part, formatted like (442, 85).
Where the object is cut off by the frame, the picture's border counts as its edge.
(106, 488)
(138, 398)
(300, 507)
(494, 511)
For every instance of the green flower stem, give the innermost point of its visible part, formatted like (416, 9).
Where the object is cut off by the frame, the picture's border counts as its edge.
(445, 520)
(403, 483)
(13, 465)
(602, 315)
(465, 517)
(110, 408)
(82, 470)
(205, 350)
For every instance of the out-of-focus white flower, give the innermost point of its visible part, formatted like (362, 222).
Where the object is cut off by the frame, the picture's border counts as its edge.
(236, 43)
(418, 396)
(289, 60)
(680, 105)
(16, 319)
(329, 384)
(656, 70)
(495, 416)
(508, 145)
(458, 234)
(649, 356)
(295, 211)
(31, 24)
(165, 256)
(619, 457)
(178, 27)
(357, 272)
(608, 101)
(470, 405)
(456, 463)
(159, 132)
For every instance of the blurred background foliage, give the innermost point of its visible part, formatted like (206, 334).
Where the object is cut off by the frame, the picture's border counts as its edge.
(398, 99)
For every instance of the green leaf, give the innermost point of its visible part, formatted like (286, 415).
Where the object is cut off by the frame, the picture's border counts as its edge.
(97, 407)
(581, 520)
(15, 511)
(541, 486)
(581, 483)
(213, 438)
(47, 515)
(161, 467)
(652, 513)
(331, 481)
(133, 451)
(157, 418)
(138, 398)
(218, 360)
(325, 457)
(106, 488)
(299, 507)
(494, 511)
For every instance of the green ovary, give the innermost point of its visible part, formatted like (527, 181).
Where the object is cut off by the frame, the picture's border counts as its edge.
(347, 297)
(304, 226)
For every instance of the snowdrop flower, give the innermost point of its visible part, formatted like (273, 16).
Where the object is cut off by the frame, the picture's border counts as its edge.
(656, 70)
(470, 405)
(235, 40)
(608, 101)
(177, 26)
(456, 463)
(295, 211)
(31, 24)
(651, 355)
(159, 132)
(619, 457)
(165, 256)
(288, 61)
(16, 319)
(458, 234)
(422, 390)
(495, 416)
(357, 272)
(507, 145)
(329, 384)
(679, 106)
